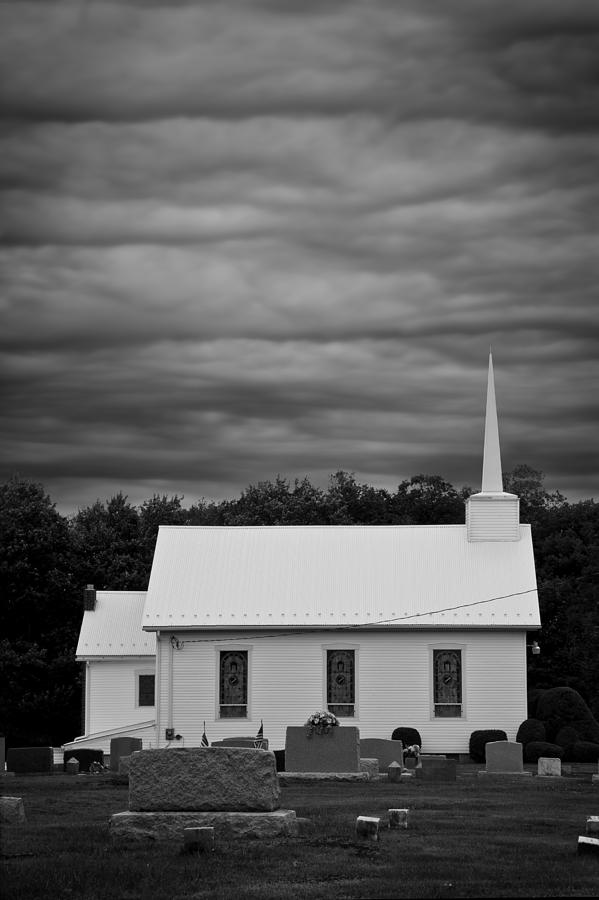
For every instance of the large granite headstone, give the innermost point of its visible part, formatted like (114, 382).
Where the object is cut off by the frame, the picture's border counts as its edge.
(504, 758)
(336, 751)
(203, 778)
(122, 746)
(383, 749)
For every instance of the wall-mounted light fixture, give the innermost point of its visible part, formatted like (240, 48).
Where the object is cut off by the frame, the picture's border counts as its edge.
(535, 648)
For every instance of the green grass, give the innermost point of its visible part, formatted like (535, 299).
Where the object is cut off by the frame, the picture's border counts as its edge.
(471, 838)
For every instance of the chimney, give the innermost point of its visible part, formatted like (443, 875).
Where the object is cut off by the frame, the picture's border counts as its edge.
(89, 598)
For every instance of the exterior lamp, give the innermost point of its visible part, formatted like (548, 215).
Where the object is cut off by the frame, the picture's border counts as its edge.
(535, 648)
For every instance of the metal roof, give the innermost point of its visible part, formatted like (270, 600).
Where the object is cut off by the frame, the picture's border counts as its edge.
(113, 628)
(318, 576)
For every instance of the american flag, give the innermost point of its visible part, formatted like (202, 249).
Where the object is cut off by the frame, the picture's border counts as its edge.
(204, 742)
(259, 739)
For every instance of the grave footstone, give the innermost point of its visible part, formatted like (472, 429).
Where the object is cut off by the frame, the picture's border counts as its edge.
(336, 751)
(593, 825)
(12, 811)
(549, 767)
(588, 845)
(122, 746)
(398, 818)
(504, 758)
(367, 828)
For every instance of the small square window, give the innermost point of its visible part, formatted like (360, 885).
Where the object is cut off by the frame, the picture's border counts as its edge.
(146, 689)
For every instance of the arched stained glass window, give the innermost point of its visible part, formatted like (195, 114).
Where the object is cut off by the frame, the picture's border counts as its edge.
(447, 678)
(341, 682)
(233, 684)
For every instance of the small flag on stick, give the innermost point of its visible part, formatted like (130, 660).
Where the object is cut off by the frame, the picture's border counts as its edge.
(204, 742)
(259, 739)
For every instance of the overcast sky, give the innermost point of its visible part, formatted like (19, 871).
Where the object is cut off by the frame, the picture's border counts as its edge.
(252, 237)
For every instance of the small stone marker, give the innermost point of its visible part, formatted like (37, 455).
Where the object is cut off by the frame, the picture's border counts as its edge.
(588, 845)
(593, 825)
(367, 828)
(394, 772)
(198, 840)
(398, 818)
(549, 767)
(12, 811)
(72, 766)
(386, 751)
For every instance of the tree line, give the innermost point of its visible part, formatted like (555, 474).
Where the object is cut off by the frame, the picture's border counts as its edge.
(46, 560)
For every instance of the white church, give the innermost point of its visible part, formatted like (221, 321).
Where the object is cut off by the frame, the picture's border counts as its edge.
(402, 625)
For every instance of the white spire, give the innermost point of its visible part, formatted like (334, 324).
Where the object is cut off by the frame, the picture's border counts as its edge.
(492, 479)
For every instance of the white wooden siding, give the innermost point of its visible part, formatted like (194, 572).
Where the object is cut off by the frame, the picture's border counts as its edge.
(394, 686)
(111, 693)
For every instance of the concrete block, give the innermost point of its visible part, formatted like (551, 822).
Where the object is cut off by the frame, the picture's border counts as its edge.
(398, 818)
(223, 779)
(367, 828)
(336, 751)
(199, 839)
(12, 811)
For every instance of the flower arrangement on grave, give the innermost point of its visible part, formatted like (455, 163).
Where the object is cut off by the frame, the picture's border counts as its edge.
(321, 723)
(412, 752)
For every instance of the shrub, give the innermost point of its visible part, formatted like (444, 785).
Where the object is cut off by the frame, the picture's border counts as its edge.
(562, 706)
(535, 749)
(407, 736)
(531, 730)
(566, 738)
(478, 740)
(583, 752)
(534, 695)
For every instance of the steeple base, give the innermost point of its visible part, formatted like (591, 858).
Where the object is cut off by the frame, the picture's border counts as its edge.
(493, 517)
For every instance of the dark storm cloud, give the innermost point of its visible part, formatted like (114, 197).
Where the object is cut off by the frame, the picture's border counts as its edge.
(258, 237)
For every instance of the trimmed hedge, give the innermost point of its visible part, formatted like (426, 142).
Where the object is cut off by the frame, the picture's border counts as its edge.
(566, 736)
(531, 730)
(535, 749)
(583, 752)
(478, 740)
(561, 706)
(407, 736)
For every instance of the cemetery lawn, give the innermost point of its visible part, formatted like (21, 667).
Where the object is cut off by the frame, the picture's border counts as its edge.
(475, 837)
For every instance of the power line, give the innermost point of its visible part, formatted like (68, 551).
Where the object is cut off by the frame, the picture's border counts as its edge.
(369, 625)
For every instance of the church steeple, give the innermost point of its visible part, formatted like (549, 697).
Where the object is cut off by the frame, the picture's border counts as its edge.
(492, 478)
(492, 515)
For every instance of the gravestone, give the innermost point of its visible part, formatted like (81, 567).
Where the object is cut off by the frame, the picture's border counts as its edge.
(71, 767)
(437, 769)
(203, 778)
(367, 828)
(336, 751)
(31, 760)
(233, 790)
(370, 767)
(549, 767)
(592, 825)
(386, 751)
(504, 758)
(394, 771)
(85, 756)
(398, 818)
(122, 746)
